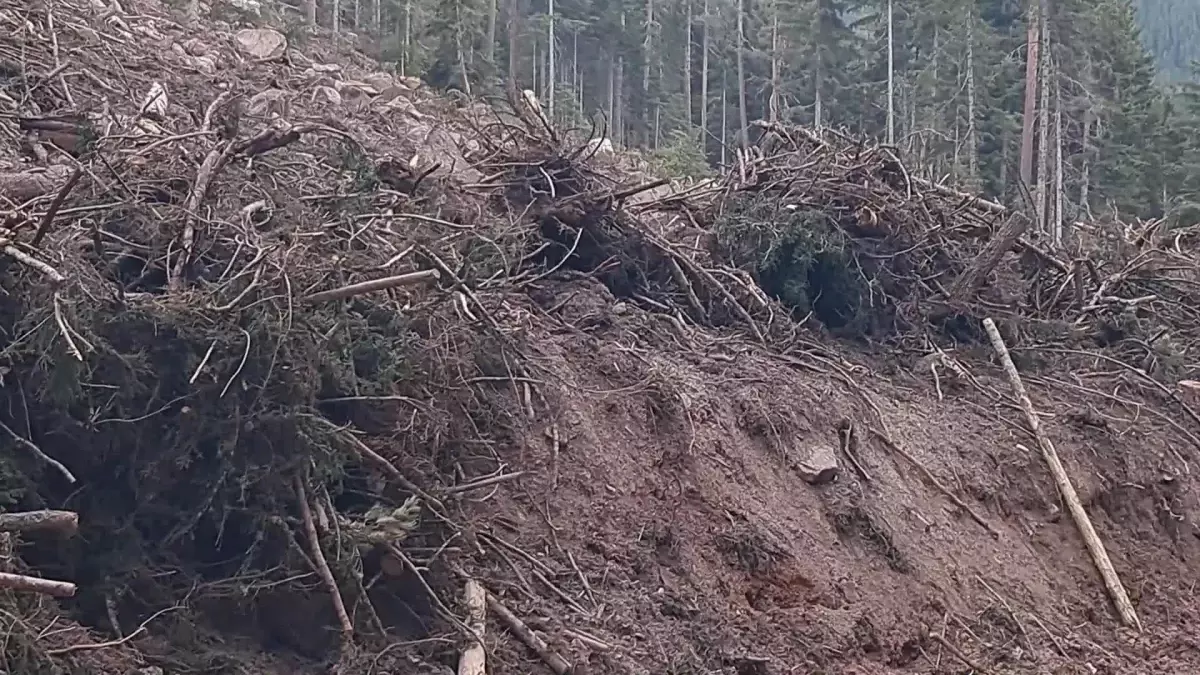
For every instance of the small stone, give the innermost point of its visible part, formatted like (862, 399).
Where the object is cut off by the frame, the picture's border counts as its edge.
(263, 44)
(820, 466)
(269, 102)
(327, 95)
(380, 81)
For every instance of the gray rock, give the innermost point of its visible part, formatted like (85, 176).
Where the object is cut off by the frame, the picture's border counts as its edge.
(819, 466)
(262, 44)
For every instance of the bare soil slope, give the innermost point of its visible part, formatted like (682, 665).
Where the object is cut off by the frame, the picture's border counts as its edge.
(675, 486)
(672, 429)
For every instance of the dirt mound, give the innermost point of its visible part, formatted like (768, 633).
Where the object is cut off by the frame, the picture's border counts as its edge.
(307, 348)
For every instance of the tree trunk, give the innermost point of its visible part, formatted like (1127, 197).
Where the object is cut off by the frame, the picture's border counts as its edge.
(514, 33)
(704, 47)
(357, 14)
(972, 141)
(1058, 159)
(551, 48)
(891, 80)
(406, 54)
(1088, 120)
(336, 10)
(687, 65)
(773, 101)
(489, 47)
(619, 120)
(612, 92)
(724, 118)
(818, 107)
(647, 61)
(1031, 70)
(310, 12)
(461, 48)
(1042, 193)
(741, 74)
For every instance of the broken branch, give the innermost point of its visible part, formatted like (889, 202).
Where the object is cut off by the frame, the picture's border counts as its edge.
(409, 279)
(314, 546)
(64, 522)
(20, 582)
(557, 663)
(1112, 582)
(474, 657)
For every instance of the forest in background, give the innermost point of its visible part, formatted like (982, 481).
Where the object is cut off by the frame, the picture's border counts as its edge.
(1171, 31)
(1060, 96)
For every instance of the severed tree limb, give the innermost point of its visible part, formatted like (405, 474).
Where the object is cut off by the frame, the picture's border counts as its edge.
(20, 582)
(474, 657)
(216, 160)
(557, 663)
(32, 447)
(59, 198)
(410, 279)
(33, 263)
(314, 545)
(1112, 582)
(977, 271)
(64, 522)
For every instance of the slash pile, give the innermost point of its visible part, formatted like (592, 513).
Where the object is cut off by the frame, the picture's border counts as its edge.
(267, 352)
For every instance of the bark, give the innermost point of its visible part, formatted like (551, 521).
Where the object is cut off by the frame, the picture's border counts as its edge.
(612, 84)
(647, 61)
(724, 119)
(704, 47)
(773, 101)
(687, 65)
(406, 57)
(336, 11)
(310, 12)
(1042, 193)
(1031, 69)
(474, 656)
(972, 141)
(550, 50)
(513, 21)
(619, 120)
(1058, 218)
(489, 46)
(891, 78)
(978, 270)
(62, 522)
(20, 582)
(741, 74)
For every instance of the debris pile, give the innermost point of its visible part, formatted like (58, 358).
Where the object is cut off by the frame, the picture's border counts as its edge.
(280, 326)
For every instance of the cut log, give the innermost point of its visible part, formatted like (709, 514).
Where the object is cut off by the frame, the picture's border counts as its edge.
(977, 271)
(63, 522)
(1112, 582)
(474, 657)
(20, 582)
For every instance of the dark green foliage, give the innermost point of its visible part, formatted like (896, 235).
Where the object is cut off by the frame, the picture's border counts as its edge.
(801, 258)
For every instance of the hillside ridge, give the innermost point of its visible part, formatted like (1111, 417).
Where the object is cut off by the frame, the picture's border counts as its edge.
(325, 362)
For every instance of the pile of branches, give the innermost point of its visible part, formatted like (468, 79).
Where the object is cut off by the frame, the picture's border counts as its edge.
(839, 230)
(237, 340)
(257, 349)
